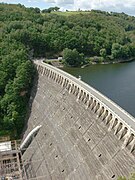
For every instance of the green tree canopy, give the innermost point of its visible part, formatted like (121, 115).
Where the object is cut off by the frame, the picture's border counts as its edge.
(116, 50)
(103, 53)
(26, 34)
(73, 57)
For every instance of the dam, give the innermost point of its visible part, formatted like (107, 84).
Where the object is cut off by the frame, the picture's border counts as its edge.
(83, 135)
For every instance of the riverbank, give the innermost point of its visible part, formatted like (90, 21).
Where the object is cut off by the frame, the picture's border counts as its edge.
(59, 64)
(108, 62)
(118, 61)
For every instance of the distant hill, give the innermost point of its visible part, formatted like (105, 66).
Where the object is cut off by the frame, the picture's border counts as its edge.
(28, 33)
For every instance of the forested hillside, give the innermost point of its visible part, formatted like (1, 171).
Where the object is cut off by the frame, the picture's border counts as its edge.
(16, 72)
(27, 33)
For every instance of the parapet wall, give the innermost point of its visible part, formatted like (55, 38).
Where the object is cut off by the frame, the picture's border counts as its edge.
(113, 116)
(81, 138)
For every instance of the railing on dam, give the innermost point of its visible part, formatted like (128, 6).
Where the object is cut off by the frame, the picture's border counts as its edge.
(114, 117)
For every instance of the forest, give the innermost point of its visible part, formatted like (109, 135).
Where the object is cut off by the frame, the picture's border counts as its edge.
(28, 33)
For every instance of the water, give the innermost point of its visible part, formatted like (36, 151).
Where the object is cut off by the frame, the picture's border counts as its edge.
(116, 81)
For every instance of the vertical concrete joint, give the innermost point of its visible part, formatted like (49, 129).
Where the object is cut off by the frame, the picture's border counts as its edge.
(111, 124)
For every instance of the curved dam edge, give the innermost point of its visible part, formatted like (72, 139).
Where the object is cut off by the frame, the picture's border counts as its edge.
(110, 112)
(112, 106)
(75, 140)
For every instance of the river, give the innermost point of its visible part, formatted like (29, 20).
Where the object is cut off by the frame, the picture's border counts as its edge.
(116, 81)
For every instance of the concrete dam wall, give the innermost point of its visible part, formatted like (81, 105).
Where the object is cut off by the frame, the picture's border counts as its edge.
(84, 135)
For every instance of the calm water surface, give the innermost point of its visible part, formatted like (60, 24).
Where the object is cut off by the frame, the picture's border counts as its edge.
(116, 81)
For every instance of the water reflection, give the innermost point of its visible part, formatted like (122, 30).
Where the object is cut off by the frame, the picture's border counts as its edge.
(117, 81)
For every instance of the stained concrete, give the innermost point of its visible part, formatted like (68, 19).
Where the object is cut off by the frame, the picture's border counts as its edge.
(73, 143)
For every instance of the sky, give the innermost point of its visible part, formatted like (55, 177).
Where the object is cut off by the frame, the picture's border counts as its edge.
(126, 6)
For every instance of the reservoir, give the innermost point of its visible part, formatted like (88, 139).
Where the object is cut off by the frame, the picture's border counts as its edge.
(116, 81)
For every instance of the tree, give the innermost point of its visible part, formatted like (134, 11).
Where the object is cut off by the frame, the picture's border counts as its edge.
(116, 50)
(72, 57)
(56, 8)
(125, 52)
(37, 10)
(103, 53)
(46, 10)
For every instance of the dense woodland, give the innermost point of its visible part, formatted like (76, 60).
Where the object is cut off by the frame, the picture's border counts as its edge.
(28, 33)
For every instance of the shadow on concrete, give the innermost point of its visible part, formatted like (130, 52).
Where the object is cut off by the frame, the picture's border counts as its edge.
(32, 96)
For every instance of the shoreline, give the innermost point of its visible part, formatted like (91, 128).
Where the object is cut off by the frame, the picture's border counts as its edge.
(59, 64)
(109, 62)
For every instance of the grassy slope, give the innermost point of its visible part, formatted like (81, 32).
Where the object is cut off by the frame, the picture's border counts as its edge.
(69, 13)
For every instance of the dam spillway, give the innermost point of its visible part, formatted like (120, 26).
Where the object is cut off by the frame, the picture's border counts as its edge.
(82, 136)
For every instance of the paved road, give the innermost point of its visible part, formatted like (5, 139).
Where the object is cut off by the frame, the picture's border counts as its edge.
(125, 116)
